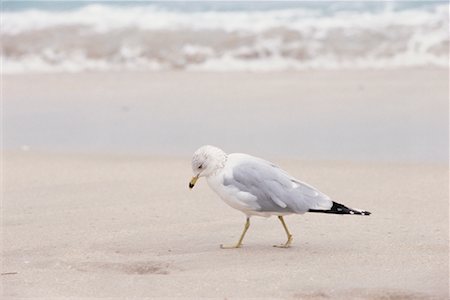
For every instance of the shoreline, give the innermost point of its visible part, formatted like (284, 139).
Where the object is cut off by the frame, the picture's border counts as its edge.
(312, 71)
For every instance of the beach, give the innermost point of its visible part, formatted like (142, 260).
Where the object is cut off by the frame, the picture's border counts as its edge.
(381, 115)
(96, 169)
(88, 226)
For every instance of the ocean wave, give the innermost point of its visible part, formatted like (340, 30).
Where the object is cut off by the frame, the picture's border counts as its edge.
(106, 37)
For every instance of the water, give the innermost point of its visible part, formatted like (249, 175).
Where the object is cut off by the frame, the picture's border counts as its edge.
(70, 36)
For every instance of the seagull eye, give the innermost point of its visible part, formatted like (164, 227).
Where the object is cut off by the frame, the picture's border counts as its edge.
(201, 166)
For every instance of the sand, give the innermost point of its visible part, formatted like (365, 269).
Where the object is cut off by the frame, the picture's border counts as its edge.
(118, 226)
(95, 202)
(335, 115)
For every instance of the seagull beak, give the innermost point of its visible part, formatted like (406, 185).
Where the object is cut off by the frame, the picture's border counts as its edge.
(193, 181)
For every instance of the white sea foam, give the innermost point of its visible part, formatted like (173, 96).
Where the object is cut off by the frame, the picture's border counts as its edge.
(107, 37)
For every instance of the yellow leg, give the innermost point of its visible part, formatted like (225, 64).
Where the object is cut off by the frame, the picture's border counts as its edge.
(239, 243)
(289, 235)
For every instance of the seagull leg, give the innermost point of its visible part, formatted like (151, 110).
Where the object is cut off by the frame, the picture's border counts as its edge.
(289, 235)
(239, 243)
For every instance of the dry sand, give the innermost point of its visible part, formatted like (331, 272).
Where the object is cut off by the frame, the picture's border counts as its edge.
(117, 226)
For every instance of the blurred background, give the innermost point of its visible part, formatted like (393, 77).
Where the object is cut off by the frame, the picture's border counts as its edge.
(315, 80)
(71, 36)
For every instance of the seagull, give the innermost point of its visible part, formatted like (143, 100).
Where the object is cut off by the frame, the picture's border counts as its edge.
(257, 187)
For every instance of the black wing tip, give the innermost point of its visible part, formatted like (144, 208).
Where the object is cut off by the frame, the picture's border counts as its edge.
(358, 212)
(340, 209)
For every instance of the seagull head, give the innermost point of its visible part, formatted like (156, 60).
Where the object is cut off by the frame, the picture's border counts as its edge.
(206, 161)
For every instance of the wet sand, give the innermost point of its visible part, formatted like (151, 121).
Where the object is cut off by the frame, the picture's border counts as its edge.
(323, 115)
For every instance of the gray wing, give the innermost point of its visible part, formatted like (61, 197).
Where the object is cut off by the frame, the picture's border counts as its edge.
(276, 190)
